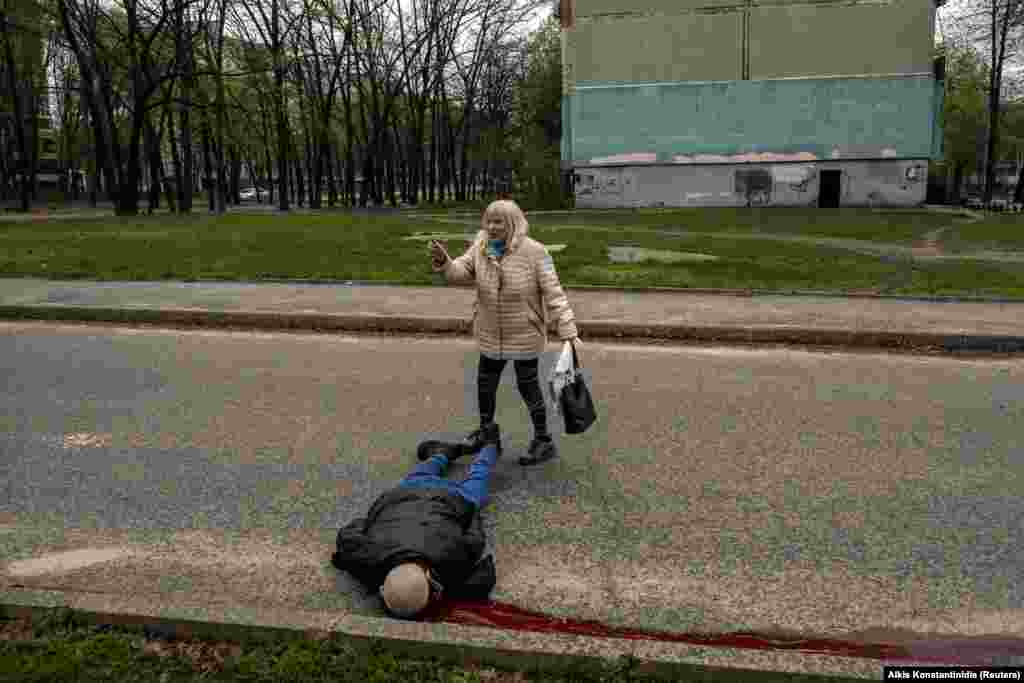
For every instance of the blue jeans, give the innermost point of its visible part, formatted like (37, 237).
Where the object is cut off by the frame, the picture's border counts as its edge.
(473, 488)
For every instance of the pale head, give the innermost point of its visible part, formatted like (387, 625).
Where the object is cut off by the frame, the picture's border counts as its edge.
(406, 590)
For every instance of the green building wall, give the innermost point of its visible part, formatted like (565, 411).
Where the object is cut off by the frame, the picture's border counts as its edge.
(750, 121)
(698, 82)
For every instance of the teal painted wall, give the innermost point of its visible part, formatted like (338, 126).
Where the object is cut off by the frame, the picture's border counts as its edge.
(856, 117)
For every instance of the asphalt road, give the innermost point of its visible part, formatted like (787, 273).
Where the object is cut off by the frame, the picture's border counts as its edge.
(721, 489)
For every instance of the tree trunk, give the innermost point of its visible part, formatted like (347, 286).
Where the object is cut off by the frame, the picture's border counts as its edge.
(300, 179)
(327, 154)
(315, 155)
(279, 106)
(153, 156)
(236, 176)
(270, 176)
(465, 188)
(94, 186)
(992, 145)
(128, 193)
(1018, 190)
(175, 161)
(185, 178)
(208, 175)
(186, 181)
(19, 113)
(97, 160)
(254, 178)
(350, 170)
(222, 180)
(435, 162)
(390, 170)
(32, 177)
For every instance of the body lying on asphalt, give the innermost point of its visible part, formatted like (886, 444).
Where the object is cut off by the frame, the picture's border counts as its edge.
(425, 537)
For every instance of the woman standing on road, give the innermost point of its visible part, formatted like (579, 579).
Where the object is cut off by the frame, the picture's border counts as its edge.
(517, 294)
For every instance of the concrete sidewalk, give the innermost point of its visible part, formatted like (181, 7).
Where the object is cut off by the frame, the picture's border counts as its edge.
(870, 322)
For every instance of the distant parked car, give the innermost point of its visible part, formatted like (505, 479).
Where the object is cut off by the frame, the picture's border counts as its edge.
(250, 193)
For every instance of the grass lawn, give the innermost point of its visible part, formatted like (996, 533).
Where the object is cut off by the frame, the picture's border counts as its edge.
(62, 649)
(774, 266)
(65, 651)
(369, 247)
(998, 232)
(897, 226)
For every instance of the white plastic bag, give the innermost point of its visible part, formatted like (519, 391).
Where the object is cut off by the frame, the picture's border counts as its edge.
(561, 375)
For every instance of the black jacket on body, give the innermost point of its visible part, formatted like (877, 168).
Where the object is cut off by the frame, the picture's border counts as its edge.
(428, 525)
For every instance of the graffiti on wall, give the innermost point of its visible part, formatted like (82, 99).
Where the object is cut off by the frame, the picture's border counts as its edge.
(603, 184)
(914, 174)
(592, 183)
(873, 183)
(754, 186)
(795, 178)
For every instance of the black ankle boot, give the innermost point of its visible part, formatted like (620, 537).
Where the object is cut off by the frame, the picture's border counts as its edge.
(542, 449)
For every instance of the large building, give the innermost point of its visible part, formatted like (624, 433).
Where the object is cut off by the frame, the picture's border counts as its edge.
(750, 102)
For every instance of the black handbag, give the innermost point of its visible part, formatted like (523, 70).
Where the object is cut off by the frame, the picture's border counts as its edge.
(577, 405)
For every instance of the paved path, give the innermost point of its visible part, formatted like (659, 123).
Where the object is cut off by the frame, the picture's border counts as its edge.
(719, 490)
(608, 313)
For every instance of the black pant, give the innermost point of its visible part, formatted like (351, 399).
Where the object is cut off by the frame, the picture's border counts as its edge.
(488, 379)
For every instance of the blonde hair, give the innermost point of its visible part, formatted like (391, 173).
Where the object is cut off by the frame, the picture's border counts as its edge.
(508, 211)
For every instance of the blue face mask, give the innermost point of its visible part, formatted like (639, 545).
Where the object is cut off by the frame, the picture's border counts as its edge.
(496, 248)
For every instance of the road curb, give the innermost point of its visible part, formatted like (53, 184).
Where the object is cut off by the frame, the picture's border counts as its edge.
(620, 331)
(450, 643)
(697, 291)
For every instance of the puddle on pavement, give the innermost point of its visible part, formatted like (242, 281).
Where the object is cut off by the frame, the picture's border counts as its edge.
(629, 254)
(64, 561)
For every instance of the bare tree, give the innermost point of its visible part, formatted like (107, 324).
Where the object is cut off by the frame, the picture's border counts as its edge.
(432, 26)
(123, 65)
(379, 81)
(321, 64)
(69, 117)
(21, 64)
(995, 24)
(273, 30)
(185, 32)
(214, 36)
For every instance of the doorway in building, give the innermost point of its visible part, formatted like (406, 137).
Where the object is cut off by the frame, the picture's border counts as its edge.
(830, 189)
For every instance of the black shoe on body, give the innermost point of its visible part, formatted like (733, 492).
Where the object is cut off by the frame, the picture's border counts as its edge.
(541, 450)
(452, 451)
(491, 435)
(479, 438)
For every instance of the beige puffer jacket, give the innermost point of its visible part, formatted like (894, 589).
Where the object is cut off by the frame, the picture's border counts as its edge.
(516, 297)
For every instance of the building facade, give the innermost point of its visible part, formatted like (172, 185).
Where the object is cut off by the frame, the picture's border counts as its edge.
(750, 102)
